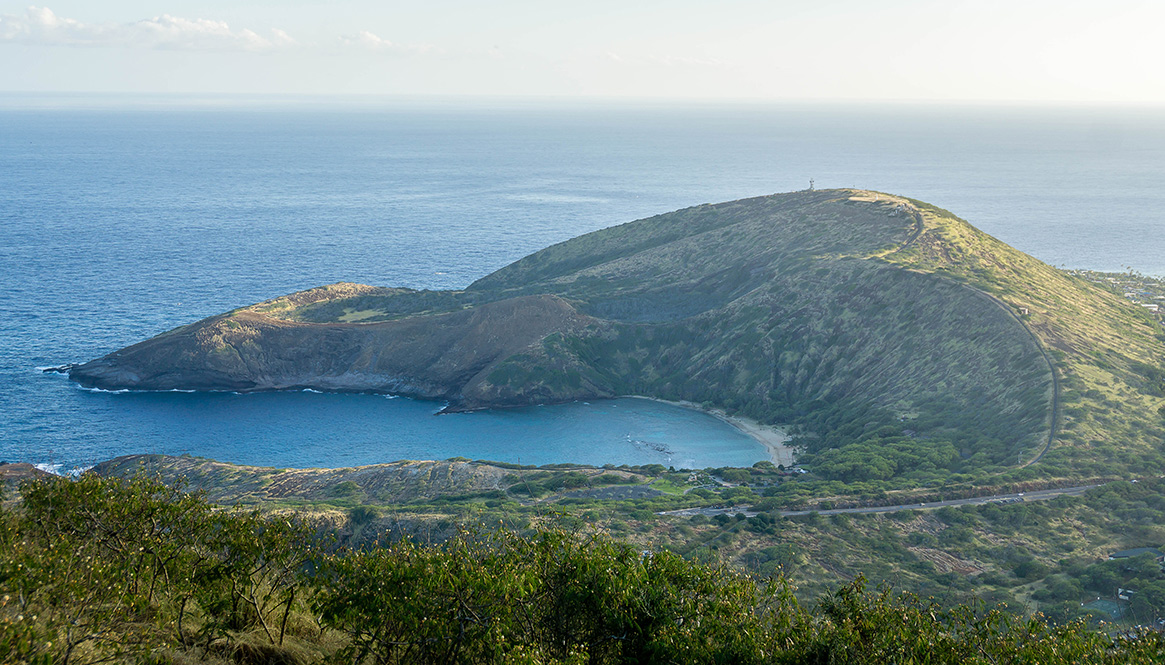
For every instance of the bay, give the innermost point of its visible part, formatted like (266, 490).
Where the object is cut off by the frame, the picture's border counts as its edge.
(123, 221)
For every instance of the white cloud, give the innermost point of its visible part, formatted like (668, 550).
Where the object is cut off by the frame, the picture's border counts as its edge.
(280, 38)
(39, 25)
(368, 40)
(372, 42)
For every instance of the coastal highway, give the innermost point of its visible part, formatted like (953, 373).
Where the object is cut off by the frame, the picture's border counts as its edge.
(1018, 497)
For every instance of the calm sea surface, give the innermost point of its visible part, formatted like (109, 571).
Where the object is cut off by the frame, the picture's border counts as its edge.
(120, 223)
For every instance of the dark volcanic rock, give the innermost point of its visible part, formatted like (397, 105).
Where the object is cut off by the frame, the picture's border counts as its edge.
(60, 369)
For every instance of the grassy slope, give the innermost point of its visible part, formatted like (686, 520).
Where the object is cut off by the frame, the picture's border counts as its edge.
(771, 307)
(1099, 342)
(379, 484)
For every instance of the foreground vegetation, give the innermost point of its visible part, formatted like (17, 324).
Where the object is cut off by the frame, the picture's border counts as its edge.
(98, 570)
(1032, 555)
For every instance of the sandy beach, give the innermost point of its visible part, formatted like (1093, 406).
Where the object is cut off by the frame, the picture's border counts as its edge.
(773, 439)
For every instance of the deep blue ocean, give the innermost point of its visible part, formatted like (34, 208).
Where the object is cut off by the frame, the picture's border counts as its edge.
(122, 221)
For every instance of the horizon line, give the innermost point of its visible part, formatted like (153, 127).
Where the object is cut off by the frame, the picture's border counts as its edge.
(15, 99)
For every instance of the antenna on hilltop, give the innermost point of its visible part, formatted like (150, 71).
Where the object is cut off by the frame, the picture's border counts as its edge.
(811, 184)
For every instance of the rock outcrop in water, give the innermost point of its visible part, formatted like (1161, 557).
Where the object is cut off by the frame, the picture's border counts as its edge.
(840, 310)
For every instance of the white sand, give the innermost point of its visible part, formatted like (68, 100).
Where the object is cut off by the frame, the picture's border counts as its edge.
(773, 439)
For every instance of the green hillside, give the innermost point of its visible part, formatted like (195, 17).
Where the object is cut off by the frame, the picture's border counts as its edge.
(1108, 352)
(808, 325)
(899, 343)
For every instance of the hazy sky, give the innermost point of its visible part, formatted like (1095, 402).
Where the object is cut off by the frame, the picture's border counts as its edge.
(1014, 50)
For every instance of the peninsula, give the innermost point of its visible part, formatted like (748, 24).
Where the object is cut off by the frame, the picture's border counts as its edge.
(901, 340)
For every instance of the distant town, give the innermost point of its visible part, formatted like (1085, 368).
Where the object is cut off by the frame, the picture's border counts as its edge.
(1146, 291)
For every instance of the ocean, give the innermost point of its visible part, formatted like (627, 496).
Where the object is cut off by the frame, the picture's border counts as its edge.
(121, 221)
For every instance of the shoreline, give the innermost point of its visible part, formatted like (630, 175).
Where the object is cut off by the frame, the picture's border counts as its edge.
(772, 438)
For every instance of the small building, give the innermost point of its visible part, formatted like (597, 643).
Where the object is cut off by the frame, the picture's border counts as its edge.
(1152, 308)
(1023, 311)
(1125, 594)
(1128, 554)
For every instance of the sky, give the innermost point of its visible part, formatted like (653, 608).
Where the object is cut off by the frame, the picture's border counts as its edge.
(1026, 51)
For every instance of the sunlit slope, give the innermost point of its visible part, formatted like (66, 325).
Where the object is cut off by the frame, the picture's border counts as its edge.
(782, 308)
(896, 338)
(1108, 353)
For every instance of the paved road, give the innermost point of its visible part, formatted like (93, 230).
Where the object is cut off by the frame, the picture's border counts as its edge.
(1038, 495)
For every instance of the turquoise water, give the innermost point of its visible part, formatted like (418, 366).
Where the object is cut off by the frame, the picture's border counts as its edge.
(307, 429)
(119, 224)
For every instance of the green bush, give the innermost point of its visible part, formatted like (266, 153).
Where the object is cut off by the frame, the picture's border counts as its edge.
(100, 570)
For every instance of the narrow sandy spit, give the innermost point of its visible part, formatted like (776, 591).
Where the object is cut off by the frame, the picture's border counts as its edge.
(773, 439)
